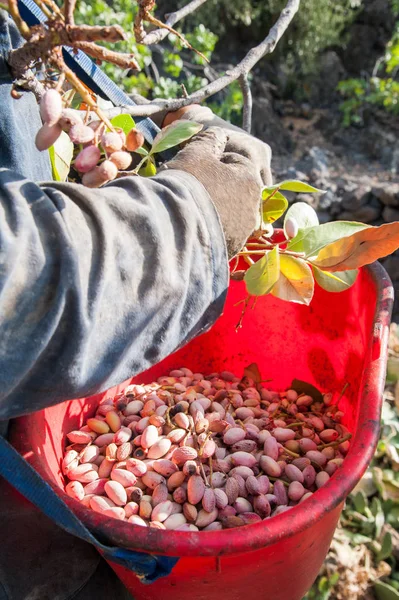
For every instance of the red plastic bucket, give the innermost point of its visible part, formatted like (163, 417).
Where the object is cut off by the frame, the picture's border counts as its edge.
(339, 339)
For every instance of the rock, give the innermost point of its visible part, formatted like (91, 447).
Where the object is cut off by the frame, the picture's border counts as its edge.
(293, 173)
(324, 216)
(335, 210)
(265, 123)
(357, 197)
(390, 214)
(330, 72)
(388, 194)
(327, 199)
(315, 162)
(319, 160)
(365, 214)
(344, 186)
(311, 199)
(391, 264)
(371, 30)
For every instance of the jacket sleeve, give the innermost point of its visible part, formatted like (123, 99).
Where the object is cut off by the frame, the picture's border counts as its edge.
(98, 285)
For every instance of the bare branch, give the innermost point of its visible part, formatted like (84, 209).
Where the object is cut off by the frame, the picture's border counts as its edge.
(125, 61)
(247, 97)
(44, 8)
(31, 84)
(156, 36)
(58, 62)
(51, 4)
(19, 22)
(240, 70)
(169, 29)
(87, 33)
(43, 41)
(69, 9)
(145, 6)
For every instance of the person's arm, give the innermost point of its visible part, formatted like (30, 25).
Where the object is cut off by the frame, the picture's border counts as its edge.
(97, 285)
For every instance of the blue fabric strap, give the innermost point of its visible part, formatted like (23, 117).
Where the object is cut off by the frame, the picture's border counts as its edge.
(90, 73)
(19, 473)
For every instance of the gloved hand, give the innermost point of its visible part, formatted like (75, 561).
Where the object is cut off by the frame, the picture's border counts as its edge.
(256, 150)
(233, 172)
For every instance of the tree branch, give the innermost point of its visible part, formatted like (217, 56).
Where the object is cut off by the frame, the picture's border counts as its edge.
(125, 61)
(69, 9)
(247, 97)
(88, 33)
(240, 70)
(19, 22)
(156, 36)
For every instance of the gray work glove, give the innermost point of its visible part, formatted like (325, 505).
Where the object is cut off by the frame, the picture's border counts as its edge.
(243, 143)
(233, 171)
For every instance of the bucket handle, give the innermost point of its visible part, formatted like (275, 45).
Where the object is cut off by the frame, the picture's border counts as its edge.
(19, 473)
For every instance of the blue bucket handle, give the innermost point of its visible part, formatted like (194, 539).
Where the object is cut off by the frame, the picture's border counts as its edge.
(19, 473)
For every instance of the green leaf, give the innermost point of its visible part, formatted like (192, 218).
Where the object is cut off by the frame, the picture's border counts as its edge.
(175, 134)
(360, 502)
(383, 591)
(149, 170)
(141, 151)
(296, 283)
(266, 192)
(61, 153)
(357, 538)
(303, 387)
(388, 488)
(312, 239)
(273, 208)
(262, 276)
(124, 122)
(379, 517)
(393, 516)
(361, 248)
(386, 547)
(304, 215)
(293, 185)
(335, 282)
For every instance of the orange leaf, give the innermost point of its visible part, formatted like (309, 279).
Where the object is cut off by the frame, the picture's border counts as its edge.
(360, 248)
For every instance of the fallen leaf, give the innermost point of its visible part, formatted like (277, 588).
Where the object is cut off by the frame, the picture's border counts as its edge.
(252, 372)
(303, 387)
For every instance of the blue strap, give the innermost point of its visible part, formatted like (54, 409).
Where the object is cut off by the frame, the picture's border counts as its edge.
(89, 72)
(19, 473)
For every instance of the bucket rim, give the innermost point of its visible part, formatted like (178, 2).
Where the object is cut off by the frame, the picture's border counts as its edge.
(249, 538)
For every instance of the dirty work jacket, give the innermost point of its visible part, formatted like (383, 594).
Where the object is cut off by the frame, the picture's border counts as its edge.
(95, 286)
